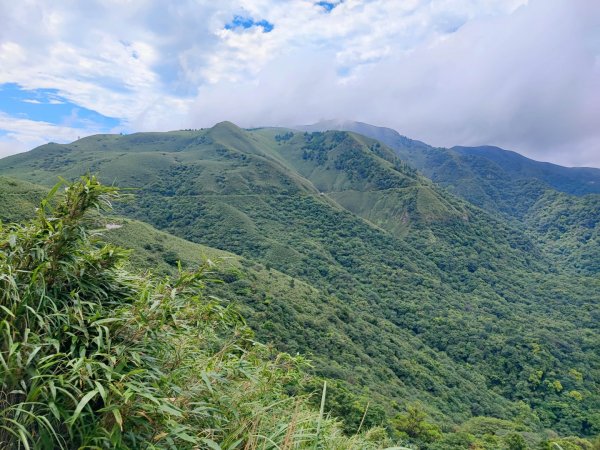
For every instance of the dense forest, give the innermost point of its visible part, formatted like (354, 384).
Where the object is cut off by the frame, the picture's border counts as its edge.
(94, 356)
(433, 323)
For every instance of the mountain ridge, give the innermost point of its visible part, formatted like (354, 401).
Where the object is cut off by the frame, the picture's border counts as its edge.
(490, 177)
(424, 305)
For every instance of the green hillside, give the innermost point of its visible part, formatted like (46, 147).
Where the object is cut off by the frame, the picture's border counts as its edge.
(232, 378)
(96, 356)
(495, 179)
(570, 180)
(398, 288)
(569, 228)
(18, 199)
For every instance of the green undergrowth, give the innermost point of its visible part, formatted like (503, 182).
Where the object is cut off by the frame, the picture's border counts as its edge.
(107, 348)
(95, 356)
(569, 228)
(396, 289)
(18, 198)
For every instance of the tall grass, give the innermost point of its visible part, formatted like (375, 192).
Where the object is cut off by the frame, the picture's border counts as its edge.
(93, 356)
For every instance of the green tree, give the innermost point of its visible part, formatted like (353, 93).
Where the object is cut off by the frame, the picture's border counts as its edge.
(515, 441)
(93, 356)
(414, 425)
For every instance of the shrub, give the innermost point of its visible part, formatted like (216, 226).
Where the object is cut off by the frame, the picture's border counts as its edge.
(92, 356)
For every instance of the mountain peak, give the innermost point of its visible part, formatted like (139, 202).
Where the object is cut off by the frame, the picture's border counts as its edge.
(388, 136)
(226, 126)
(226, 123)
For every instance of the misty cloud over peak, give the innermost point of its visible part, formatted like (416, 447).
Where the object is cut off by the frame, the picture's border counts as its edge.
(517, 74)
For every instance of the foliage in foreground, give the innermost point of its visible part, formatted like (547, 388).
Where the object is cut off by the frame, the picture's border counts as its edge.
(468, 317)
(92, 356)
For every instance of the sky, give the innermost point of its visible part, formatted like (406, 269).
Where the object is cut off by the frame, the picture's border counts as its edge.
(519, 74)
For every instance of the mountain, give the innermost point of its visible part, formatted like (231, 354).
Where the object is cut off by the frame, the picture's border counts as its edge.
(495, 179)
(569, 229)
(506, 183)
(155, 249)
(390, 137)
(570, 180)
(94, 350)
(399, 288)
(18, 199)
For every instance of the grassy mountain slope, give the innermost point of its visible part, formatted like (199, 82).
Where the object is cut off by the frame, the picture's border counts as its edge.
(296, 316)
(495, 179)
(366, 178)
(18, 199)
(519, 188)
(283, 309)
(222, 380)
(570, 180)
(96, 356)
(456, 309)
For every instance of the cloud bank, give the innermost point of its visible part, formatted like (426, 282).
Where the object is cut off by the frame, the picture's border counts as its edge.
(517, 74)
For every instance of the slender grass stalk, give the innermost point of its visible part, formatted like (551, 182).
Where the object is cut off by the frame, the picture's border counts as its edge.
(321, 413)
(363, 418)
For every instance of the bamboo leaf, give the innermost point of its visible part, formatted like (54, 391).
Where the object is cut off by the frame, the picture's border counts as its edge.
(118, 418)
(211, 444)
(84, 401)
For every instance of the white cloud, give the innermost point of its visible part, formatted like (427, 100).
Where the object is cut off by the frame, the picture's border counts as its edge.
(446, 71)
(106, 68)
(23, 134)
(529, 81)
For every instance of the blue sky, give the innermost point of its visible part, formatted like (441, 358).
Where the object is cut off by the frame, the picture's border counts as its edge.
(248, 22)
(328, 6)
(521, 74)
(47, 105)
